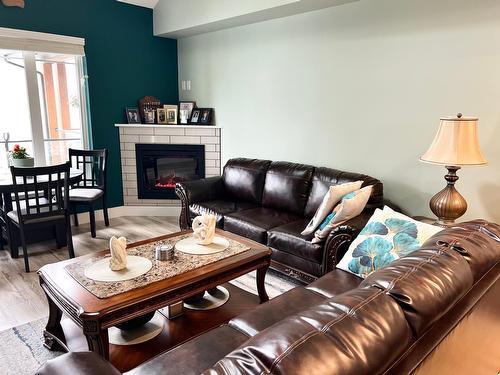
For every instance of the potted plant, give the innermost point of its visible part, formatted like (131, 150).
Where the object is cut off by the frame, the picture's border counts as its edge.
(20, 158)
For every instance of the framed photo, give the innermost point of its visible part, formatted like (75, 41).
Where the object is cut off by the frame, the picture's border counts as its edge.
(206, 116)
(149, 116)
(185, 111)
(133, 116)
(161, 115)
(171, 113)
(195, 116)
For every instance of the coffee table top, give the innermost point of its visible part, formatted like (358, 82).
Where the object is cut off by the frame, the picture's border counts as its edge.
(82, 304)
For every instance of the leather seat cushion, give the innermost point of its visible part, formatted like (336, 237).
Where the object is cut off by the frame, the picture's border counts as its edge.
(83, 195)
(77, 363)
(255, 223)
(196, 355)
(296, 264)
(287, 238)
(334, 283)
(264, 316)
(287, 187)
(219, 208)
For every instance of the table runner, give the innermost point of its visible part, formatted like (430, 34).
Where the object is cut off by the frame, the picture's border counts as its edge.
(161, 270)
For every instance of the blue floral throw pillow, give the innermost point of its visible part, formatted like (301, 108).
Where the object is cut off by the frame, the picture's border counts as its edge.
(388, 235)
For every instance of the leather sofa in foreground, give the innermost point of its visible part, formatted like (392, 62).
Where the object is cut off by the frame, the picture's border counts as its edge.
(271, 203)
(436, 311)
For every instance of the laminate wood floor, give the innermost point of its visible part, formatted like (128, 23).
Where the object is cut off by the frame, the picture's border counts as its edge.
(21, 298)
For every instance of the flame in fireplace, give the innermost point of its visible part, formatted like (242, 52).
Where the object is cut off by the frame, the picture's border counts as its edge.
(168, 182)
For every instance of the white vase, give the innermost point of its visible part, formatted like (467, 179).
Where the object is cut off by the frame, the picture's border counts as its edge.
(28, 162)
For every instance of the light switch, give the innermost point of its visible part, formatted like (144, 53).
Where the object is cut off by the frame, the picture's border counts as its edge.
(188, 85)
(183, 85)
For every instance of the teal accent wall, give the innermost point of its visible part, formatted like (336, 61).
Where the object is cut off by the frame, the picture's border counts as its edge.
(124, 62)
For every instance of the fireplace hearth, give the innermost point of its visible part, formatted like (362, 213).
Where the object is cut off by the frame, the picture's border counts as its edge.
(161, 166)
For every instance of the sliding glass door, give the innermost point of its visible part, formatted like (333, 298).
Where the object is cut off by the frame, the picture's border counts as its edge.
(42, 104)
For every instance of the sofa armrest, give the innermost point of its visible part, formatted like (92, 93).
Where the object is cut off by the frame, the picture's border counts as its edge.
(82, 363)
(337, 243)
(190, 192)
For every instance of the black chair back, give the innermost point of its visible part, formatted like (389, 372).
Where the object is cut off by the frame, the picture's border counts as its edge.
(41, 192)
(93, 164)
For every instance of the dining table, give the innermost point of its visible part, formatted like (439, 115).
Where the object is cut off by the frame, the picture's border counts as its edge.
(7, 197)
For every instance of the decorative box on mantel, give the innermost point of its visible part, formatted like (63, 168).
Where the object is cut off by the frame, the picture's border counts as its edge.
(155, 157)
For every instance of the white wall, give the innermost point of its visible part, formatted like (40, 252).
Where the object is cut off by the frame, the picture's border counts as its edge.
(359, 87)
(178, 18)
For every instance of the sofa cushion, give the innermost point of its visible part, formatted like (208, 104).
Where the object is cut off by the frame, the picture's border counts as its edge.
(194, 356)
(334, 283)
(388, 235)
(287, 187)
(244, 179)
(292, 264)
(477, 241)
(359, 332)
(219, 208)
(255, 223)
(287, 238)
(323, 178)
(426, 284)
(286, 304)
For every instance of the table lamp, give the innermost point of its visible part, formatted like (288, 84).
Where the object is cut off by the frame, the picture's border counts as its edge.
(455, 144)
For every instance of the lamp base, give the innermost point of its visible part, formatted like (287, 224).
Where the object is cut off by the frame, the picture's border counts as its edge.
(448, 205)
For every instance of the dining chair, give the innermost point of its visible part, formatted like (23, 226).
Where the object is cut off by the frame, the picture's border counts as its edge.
(41, 200)
(92, 186)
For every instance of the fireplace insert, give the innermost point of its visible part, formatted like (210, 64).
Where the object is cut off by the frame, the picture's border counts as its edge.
(161, 166)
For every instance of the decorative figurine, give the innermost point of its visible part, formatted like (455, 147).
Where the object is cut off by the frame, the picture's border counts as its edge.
(118, 248)
(204, 229)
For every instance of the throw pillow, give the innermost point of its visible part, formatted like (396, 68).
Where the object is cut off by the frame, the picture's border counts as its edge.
(331, 198)
(388, 235)
(351, 205)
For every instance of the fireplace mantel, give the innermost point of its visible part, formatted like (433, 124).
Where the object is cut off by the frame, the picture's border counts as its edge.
(132, 134)
(167, 126)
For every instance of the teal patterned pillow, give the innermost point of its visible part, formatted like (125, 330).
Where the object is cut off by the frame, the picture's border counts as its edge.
(388, 235)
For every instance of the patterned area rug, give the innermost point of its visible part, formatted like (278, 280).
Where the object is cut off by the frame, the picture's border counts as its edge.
(22, 351)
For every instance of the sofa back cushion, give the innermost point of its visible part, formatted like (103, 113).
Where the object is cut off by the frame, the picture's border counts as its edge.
(323, 178)
(477, 241)
(426, 284)
(359, 332)
(244, 179)
(287, 186)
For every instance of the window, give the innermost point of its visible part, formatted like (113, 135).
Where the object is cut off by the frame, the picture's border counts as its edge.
(42, 97)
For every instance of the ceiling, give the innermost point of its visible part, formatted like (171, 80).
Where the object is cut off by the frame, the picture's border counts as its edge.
(142, 3)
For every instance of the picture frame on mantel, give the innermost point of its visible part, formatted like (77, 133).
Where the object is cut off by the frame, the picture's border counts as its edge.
(206, 116)
(133, 116)
(185, 111)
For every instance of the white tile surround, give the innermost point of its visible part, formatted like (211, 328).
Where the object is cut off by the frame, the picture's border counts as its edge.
(130, 135)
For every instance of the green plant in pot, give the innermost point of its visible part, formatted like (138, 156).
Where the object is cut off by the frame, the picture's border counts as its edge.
(20, 158)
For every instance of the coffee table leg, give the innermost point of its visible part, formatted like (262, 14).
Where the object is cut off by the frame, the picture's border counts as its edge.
(261, 286)
(97, 338)
(53, 335)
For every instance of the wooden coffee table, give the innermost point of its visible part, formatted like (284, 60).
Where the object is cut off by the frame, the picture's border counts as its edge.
(93, 316)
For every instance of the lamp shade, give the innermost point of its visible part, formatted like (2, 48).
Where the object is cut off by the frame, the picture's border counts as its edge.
(456, 143)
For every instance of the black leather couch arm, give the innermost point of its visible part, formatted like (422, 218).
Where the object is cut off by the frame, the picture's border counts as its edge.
(340, 238)
(77, 363)
(189, 192)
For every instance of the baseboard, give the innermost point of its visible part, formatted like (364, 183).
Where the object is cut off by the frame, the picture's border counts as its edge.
(120, 211)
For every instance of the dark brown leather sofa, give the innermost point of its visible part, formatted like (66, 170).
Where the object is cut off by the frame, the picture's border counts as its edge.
(271, 203)
(436, 311)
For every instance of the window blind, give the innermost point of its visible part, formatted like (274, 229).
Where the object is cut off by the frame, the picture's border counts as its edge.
(13, 39)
